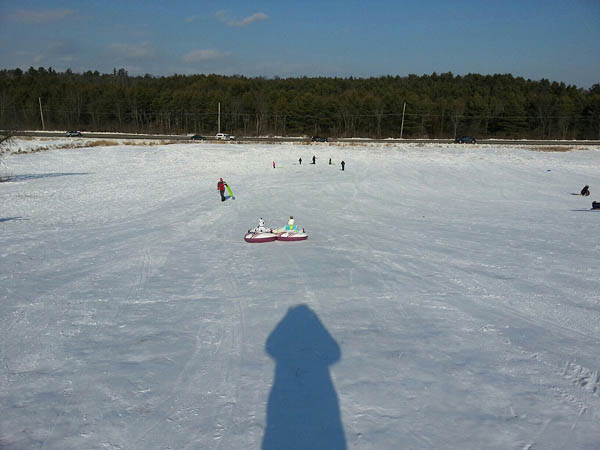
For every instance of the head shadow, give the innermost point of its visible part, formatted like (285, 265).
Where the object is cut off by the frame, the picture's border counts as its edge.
(303, 409)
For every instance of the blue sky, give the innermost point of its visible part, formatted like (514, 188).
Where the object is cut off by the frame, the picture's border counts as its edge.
(558, 40)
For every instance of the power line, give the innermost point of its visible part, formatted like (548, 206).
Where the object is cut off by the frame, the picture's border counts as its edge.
(288, 115)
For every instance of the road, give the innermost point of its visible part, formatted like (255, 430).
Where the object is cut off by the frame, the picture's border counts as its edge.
(178, 137)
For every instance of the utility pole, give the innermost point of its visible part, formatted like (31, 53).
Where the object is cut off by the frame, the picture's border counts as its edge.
(41, 113)
(219, 119)
(402, 126)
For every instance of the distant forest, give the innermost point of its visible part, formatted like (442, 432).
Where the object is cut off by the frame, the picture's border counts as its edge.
(435, 106)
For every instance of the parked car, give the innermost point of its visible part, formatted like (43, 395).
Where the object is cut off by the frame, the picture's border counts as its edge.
(74, 134)
(197, 137)
(318, 139)
(225, 137)
(465, 140)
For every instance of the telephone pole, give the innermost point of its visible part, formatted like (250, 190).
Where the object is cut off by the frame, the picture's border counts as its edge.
(402, 126)
(219, 119)
(41, 113)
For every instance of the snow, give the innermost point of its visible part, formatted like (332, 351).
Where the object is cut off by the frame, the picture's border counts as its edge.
(447, 297)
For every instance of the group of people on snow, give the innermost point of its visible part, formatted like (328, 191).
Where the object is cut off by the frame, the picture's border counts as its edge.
(586, 192)
(314, 161)
(221, 185)
(261, 228)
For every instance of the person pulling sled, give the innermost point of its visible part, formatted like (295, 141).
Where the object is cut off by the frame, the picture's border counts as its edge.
(221, 188)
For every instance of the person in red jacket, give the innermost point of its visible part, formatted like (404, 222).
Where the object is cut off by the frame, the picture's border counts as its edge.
(221, 187)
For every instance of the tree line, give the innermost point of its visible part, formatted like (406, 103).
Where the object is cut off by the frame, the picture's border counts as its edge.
(428, 106)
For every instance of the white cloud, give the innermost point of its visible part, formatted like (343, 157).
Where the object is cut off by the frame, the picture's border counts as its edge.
(63, 47)
(191, 19)
(196, 56)
(135, 51)
(40, 16)
(224, 17)
(51, 53)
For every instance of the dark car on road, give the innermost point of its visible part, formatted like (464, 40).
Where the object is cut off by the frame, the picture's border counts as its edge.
(318, 139)
(465, 140)
(74, 133)
(197, 137)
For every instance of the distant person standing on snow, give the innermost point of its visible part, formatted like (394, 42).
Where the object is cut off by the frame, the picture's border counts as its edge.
(343, 165)
(314, 159)
(300, 161)
(329, 161)
(221, 188)
(273, 164)
(585, 191)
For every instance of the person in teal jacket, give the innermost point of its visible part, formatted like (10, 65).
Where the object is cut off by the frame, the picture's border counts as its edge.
(291, 226)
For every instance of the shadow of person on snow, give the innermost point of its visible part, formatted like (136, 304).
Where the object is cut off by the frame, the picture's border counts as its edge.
(25, 177)
(6, 219)
(303, 410)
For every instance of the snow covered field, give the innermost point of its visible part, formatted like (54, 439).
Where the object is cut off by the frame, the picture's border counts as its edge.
(448, 297)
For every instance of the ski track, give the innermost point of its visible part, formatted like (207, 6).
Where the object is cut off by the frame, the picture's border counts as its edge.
(133, 314)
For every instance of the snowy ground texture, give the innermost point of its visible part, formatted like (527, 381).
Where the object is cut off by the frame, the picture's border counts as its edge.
(448, 297)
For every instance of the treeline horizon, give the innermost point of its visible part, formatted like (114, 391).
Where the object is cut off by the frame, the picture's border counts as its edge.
(428, 106)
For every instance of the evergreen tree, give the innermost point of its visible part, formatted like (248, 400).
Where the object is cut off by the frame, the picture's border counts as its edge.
(437, 105)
